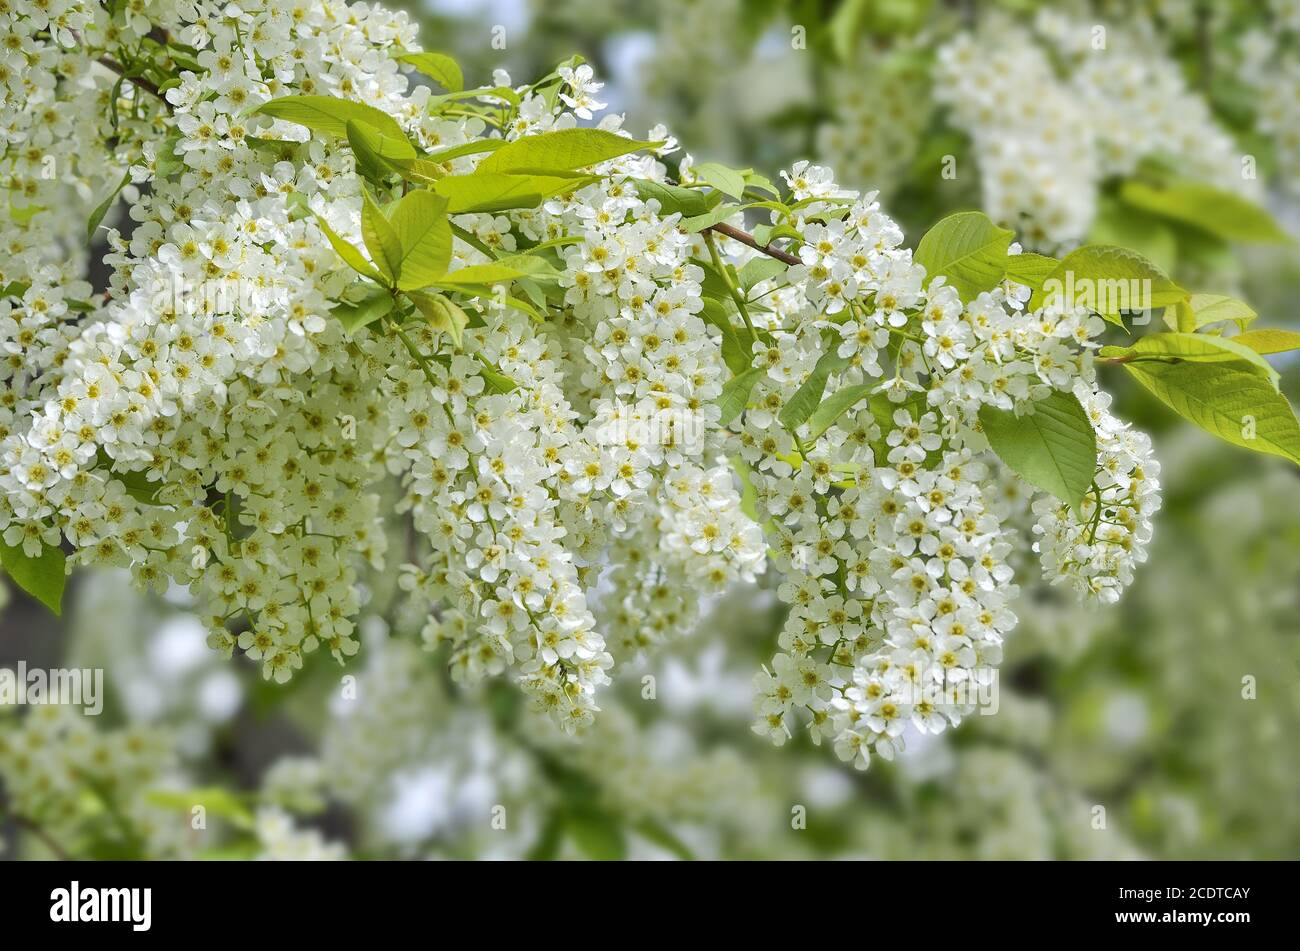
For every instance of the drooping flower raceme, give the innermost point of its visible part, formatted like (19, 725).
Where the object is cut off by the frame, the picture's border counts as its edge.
(598, 400)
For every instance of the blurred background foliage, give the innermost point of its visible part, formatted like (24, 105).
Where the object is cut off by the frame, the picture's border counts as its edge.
(1162, 728)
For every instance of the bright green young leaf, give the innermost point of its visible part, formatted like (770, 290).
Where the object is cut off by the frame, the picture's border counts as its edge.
(439, 67)
(563, 150)
(1053, 448)
(729, 181)
(166, 162)
(378, 154)
(441, 313)
(381, 240)
(969, 250)
(674, 199)
(349, 252)
(1221, 213)
(1226, 399)
(698, 223)
(1189, 346)
(503, 269)
(354, 316)
(759, 269)
(473, 147)
(501, 93)
(101, 209)
(757, 182)
(420, 220)
(329, 114)
(835, 405)
(1268, 340)
(737, 344)
(215, 801)
(1214, 308)
(735, 394)
(482, 191)
(809, 395)
(1109, 281)
(43, 577)
(1030, 269)
(497, 382)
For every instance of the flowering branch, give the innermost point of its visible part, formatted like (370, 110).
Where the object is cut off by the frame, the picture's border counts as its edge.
(138, 81)
(744, 237)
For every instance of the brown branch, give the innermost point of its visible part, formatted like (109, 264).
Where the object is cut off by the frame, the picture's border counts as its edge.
(138, 81)
(744, 237)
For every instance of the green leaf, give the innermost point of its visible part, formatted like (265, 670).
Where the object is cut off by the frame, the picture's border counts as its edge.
(1191, 346)
(349, 252)
(1228, 399)
(969, 250)
(1268, 340)
(1213, 308)
(215, 800)
(729, 181)
(424, 235)
(504, 93)
(439, 67)
(378, 154)
(1221, 213)
(737, 344)
(674, 199)
(496, 381)
(441, 313)
(1030, 269)
(166, 162)
(597, 835)
(466, 148)
(329, 114)
(845, 26)
(101, 209)
(381, 239)
(809, 395)
(494, 191)
(735, 394)
(665, 839)
(354, 316)
(759, 269)
(1053, 448)
(43, 577)
(503, 269)
(561, 150)
(834, 406)
(1110, 280)
(710, 218)
(757, 182)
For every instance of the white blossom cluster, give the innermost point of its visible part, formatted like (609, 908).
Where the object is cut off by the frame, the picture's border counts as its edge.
(885, 523)
(881, 108)
(1035, 143)
(1271, 67)
(1053, 111)
(53, 758)
(1137, 99)
(209, 423)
